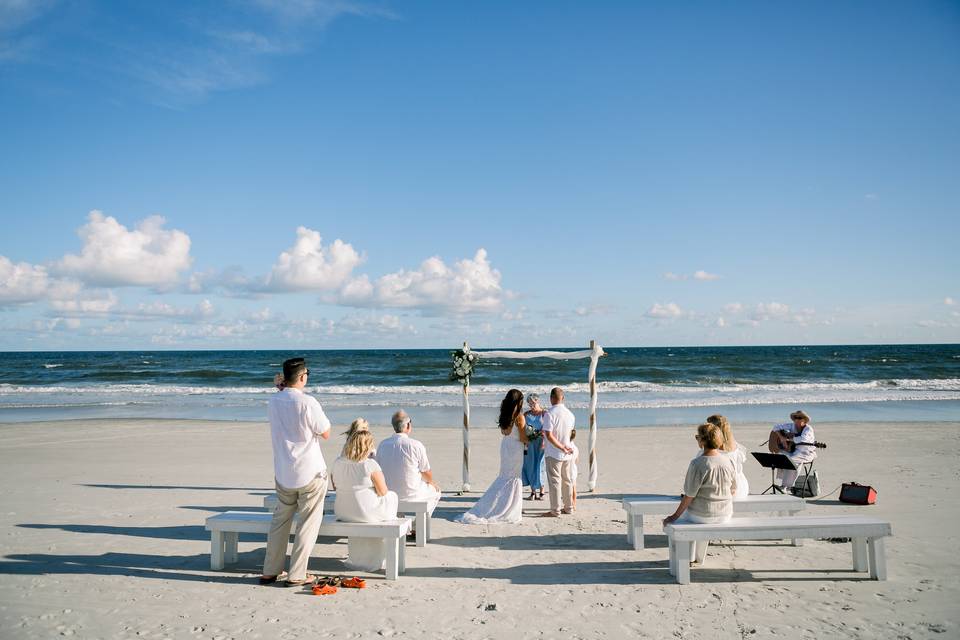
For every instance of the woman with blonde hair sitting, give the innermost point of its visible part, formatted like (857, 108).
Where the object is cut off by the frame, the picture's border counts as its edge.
(710, 483)
(362, 496)
(733, 450)
(357, 425)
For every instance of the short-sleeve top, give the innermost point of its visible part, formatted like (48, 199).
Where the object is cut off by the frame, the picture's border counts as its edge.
(356, 497)
(402, 459)
(711, 482)
(296, 421)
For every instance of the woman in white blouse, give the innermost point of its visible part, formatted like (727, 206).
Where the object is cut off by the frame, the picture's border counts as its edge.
(362, 496)
(733, 450)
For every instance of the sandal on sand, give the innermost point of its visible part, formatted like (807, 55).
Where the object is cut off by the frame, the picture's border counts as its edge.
(323, 590)
(333, 581)
(354, 583)
(308, 579)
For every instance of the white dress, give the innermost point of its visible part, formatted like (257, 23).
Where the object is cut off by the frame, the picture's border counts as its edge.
(739, 456)
(503, 501)
(357, 501)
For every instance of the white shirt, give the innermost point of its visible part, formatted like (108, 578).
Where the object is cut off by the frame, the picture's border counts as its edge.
(801, 454)
(402, 459)
(296, 423)
(559, 421)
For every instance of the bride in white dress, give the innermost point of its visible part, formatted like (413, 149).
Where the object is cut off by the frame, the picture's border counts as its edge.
(732, 449)
(503, 501)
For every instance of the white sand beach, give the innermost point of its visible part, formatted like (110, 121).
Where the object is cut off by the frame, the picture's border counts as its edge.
(102, 536)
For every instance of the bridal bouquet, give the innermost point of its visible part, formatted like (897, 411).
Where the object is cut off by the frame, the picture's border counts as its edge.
(532, 432)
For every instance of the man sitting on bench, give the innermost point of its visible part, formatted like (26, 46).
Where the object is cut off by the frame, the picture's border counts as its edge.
(405, 465)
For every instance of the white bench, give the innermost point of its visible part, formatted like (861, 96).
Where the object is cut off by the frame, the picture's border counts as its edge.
(225, 530)
(638, 506)
(866, 536)
(418, 508)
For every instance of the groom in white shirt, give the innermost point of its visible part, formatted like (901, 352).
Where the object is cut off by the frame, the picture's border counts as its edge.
(558, 423)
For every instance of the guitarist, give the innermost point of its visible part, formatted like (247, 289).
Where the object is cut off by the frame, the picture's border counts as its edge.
(784, 439)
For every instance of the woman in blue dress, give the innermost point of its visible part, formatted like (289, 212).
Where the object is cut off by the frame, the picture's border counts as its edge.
(533, 475)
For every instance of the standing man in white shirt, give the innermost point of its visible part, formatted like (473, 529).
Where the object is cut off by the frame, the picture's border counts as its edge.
(558, 423)
(405, 465)
(297, 423)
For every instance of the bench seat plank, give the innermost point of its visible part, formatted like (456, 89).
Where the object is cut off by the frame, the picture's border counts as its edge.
(653, 504)
(225, 528)
(419, 509)
(866, 535)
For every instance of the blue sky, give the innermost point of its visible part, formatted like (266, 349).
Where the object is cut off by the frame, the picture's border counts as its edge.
(313, 174)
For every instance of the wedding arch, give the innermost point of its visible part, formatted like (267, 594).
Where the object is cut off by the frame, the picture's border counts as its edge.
(464, 360)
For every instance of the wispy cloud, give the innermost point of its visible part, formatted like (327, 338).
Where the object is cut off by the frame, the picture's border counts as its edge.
(173, 54)
(701, 275)
(668, 311)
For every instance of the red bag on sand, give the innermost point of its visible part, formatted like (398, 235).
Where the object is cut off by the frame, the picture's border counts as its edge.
(853, 493)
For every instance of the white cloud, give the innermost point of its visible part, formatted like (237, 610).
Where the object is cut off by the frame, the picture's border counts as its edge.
(309, 266)
(113, 255)
(21, 282)
(720, 322)
(385, 324)
(733, 307)
(664, 311)
(704, 276)
(768, 310)
(949, 301)
(700, 275)
(78, 301)
(470, 285)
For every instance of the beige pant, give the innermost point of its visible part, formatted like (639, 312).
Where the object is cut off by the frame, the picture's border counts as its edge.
(307, 502)
(560, 481)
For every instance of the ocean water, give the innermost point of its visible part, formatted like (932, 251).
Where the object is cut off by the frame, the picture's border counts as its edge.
(637, 386)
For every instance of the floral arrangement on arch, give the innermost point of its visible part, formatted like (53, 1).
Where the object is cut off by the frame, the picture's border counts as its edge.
(464, 362)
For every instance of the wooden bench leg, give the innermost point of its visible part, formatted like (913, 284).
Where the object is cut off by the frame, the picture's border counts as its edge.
(421, 524)
(216, 550)
(859, 554)
(683, 562)
(428, 520)
(393, 557)
(636, 531)
(878, 559)
(402, 559)
(230, 543)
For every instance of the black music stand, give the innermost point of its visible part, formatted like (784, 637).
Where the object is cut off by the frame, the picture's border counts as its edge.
(773, 461)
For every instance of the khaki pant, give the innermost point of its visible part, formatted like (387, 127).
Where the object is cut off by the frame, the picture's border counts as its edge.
(307, 502)
(560, 481)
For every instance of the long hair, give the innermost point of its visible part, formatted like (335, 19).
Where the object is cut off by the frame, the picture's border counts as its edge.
(510, 407)
(725, 431)
(358, 446)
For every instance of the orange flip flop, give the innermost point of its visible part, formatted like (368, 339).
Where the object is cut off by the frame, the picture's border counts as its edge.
(323, 590)
(354, 583)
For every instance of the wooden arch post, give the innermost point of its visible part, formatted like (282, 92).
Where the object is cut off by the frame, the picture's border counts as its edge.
(466, 431)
